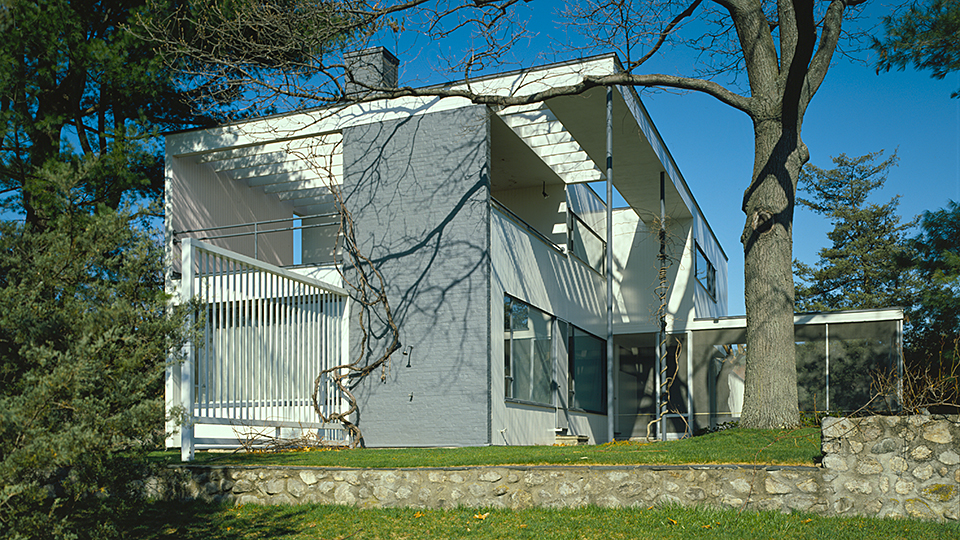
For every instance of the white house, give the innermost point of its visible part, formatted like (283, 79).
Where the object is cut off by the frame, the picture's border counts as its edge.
(492, 242)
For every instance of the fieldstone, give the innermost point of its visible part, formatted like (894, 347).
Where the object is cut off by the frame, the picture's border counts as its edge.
(617, 476)
(869, 430)
(873, 507)
(520, 499)
(939, 492)
(903, 487)
(326, 486)
(869, 465)
(801, 502)
(923, 472)
(731, 501)
(534, 479)
(308, 477)
(918, 509)
(630, 489)
(274, 486)
(671, 487)
(885, 446)
(741, 486)
(949, 458)
(382, 493)
(403, 492)
(920, 453)
(389, 477)
(858, 486)
(775, 487)
(808, 486)
(457, 478)
(566, 489)
(884, 484)
(343, 495)
(491, 476)
(938, 432)
(898, 464)
(500, 491)
(476, 490)
(841, 505)
(695, 494)
(855, 446)
(834, 428)
(770, 504)
(248, 498)
(435, 477)
(281, 498)
(830, 447)
(667, 498)
(296, 487)
(835, 462)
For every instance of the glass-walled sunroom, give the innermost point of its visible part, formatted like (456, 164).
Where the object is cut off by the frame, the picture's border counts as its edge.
(846, 362)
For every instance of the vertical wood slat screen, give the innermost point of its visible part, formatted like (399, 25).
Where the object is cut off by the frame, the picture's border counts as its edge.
(265, 334)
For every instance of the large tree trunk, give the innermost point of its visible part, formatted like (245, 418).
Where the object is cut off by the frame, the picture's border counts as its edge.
(770, 395)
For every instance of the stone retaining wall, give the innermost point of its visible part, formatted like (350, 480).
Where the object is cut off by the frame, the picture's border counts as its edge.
(772, 488)
(893, 466)
(882, 466)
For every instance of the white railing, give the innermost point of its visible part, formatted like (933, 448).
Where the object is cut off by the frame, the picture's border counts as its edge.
(265, 334)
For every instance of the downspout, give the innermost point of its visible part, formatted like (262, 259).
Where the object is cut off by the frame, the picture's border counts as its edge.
(609, 264)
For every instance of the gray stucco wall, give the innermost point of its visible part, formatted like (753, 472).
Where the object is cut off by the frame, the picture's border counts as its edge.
(418, 190)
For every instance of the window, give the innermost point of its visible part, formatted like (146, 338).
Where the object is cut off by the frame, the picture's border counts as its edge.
(527, 352)
(706, 273)
(585, 244)
(588, 371)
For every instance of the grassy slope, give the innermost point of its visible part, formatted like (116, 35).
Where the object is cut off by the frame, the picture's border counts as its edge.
(789, 447)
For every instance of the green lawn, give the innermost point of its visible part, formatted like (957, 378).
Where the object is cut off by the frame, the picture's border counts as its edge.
(799, 446)
(200, 521)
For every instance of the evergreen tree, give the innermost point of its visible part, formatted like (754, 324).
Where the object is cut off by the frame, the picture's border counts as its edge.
(76, 82)
(865, 267)
(84, 333)
(925, 36)
(936, 318)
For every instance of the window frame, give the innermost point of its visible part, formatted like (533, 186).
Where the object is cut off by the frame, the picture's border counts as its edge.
(571, 370)
(709, 279)
(510, 359)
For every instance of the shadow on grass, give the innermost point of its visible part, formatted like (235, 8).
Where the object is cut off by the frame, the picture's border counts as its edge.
(198, 520)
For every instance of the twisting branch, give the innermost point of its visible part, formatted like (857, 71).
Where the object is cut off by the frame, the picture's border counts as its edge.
(368, 293)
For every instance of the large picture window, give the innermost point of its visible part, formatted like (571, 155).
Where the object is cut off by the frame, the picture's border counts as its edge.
(588, 371)
(528, 358)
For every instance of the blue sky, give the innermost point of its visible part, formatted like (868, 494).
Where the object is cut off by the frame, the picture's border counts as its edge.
(856, 112)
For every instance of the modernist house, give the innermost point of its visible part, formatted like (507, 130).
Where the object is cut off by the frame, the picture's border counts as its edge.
(493, 244)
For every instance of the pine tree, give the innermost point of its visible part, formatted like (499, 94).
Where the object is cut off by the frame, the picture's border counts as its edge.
(84, 334)
(866, 264)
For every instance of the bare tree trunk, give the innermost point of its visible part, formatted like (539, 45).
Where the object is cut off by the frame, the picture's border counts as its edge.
(771, 377)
